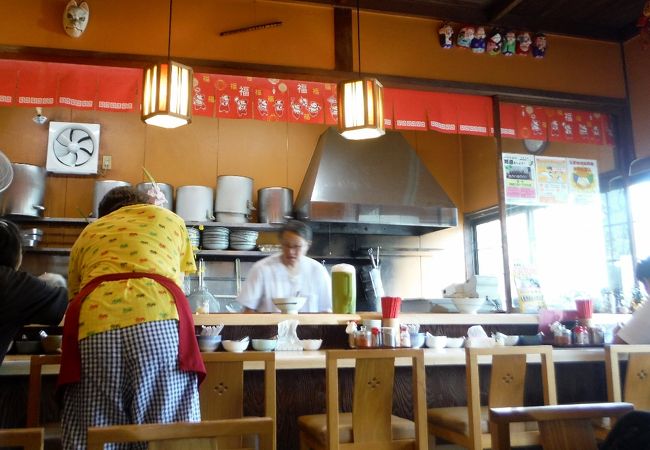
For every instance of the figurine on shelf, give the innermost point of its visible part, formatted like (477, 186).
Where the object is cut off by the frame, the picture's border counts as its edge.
(509, 44)
(643, 24)
(465, 36)
(478, 42)
(446, 35)
(494, 42)
(524, 43)
(539, 45)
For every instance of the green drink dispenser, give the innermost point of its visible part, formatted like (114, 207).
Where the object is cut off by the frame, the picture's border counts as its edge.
(344, 289)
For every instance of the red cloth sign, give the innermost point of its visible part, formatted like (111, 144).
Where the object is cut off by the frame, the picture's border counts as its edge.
(442, 113)
(8, 80)
(410, 109)
(531, 122)
(474, 114)
(202, 95)
(508, 119)
(305, 101)
(119, 89)
(234, 96)
(36, 83)
(270, 99)
(330, 104)
(77, 86)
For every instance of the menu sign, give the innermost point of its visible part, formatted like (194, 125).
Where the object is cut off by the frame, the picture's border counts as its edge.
(519, 179)
(552, 180)
(546, 180)
(583, 183)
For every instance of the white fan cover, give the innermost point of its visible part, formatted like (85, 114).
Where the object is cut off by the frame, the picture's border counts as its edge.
(73, 148)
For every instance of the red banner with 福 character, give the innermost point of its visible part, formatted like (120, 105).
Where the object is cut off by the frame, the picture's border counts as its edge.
(234, 96)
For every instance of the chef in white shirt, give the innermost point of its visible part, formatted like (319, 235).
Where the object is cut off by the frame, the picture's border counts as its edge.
(288, 274)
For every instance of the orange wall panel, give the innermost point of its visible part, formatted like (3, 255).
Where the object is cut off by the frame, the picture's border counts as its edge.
(409, 46)
(638, 71)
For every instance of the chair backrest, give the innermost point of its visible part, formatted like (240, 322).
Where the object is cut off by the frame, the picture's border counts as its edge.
(507, 379)
(27, 438)
(373, 395)
(636, 388)
(222, 392)
(561, 427)
(36, 364)
(183, 435)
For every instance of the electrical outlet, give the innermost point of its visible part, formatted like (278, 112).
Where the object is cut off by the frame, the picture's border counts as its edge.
(107, 161)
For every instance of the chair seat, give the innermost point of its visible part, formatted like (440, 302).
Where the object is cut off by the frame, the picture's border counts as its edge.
(316, 426)
(455, 418)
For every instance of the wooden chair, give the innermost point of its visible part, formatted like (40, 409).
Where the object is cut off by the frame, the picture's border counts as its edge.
(27, 438)
(636, 388)
(561, 427)
(222, 392)
(467, 426)
(370, 425)
(52, 431)
(183, 435)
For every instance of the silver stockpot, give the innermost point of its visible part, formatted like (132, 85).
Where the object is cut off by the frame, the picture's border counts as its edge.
(101, 188)
(165, 188)
(274, 204)
(25, 194)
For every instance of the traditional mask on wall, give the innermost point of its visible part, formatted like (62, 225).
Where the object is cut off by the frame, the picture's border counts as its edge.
(75, 18)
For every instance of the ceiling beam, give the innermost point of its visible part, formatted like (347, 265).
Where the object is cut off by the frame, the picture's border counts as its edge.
(499, 11)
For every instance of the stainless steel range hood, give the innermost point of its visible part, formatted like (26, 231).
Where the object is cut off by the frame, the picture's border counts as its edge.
(372, 186)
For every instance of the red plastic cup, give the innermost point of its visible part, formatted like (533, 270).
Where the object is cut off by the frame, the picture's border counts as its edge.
(585, 308)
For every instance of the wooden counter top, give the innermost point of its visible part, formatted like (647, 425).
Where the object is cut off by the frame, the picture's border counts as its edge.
(420, 318)
(19, 364)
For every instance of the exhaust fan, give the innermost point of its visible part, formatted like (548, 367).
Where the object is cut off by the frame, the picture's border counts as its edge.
(73, 148)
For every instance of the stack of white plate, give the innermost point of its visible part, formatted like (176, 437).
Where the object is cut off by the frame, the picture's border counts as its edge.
(195, 236)
(243, 240)
(215, 238)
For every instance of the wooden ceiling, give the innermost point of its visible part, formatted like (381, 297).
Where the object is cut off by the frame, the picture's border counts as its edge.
(611, 20)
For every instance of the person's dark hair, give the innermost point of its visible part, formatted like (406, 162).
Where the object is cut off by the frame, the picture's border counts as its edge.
(11, 244)
(300, 228)
(119, 197)
(643, 269)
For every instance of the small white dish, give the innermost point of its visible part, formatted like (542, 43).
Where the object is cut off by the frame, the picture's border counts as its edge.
(311, 344)
(455, 342)
(265, 345)
(236, 346)
(437, 342)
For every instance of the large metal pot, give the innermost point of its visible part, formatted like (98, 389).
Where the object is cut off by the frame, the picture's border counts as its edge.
(101, 188)
(165, 188)
(25, 194)
(195, 203)
(274, 204)
(234, 201)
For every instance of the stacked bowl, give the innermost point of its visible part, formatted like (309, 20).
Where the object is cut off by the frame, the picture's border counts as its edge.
(31, 237)
(243, 240)
(195, 236)
(215, 238)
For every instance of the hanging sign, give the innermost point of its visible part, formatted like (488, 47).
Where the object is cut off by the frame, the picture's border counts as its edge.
(119, 89)
(77, 86)
(552, 180)
(36, 83)
(442, 114)
(8, 79)
(583, 181)
(519, 179)
(234, 96)
(202, 95)
(409, 109)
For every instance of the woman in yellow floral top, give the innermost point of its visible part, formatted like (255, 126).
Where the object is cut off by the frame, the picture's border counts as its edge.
(125, 272)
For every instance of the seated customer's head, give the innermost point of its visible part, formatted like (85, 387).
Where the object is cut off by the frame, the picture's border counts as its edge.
(643, 273)
(11, 248)
(120, 197)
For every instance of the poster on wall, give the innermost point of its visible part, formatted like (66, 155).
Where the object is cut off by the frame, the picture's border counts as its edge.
(519, 179)
(552, 180)
(529, 288)
(583, 181)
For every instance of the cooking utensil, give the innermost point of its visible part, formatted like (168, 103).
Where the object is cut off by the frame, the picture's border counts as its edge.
(101, 189)
(275, 204)
(24, 196)
(195, 202)
(234, 201)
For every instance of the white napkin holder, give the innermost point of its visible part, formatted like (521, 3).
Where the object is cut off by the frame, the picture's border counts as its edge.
(288, 336)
